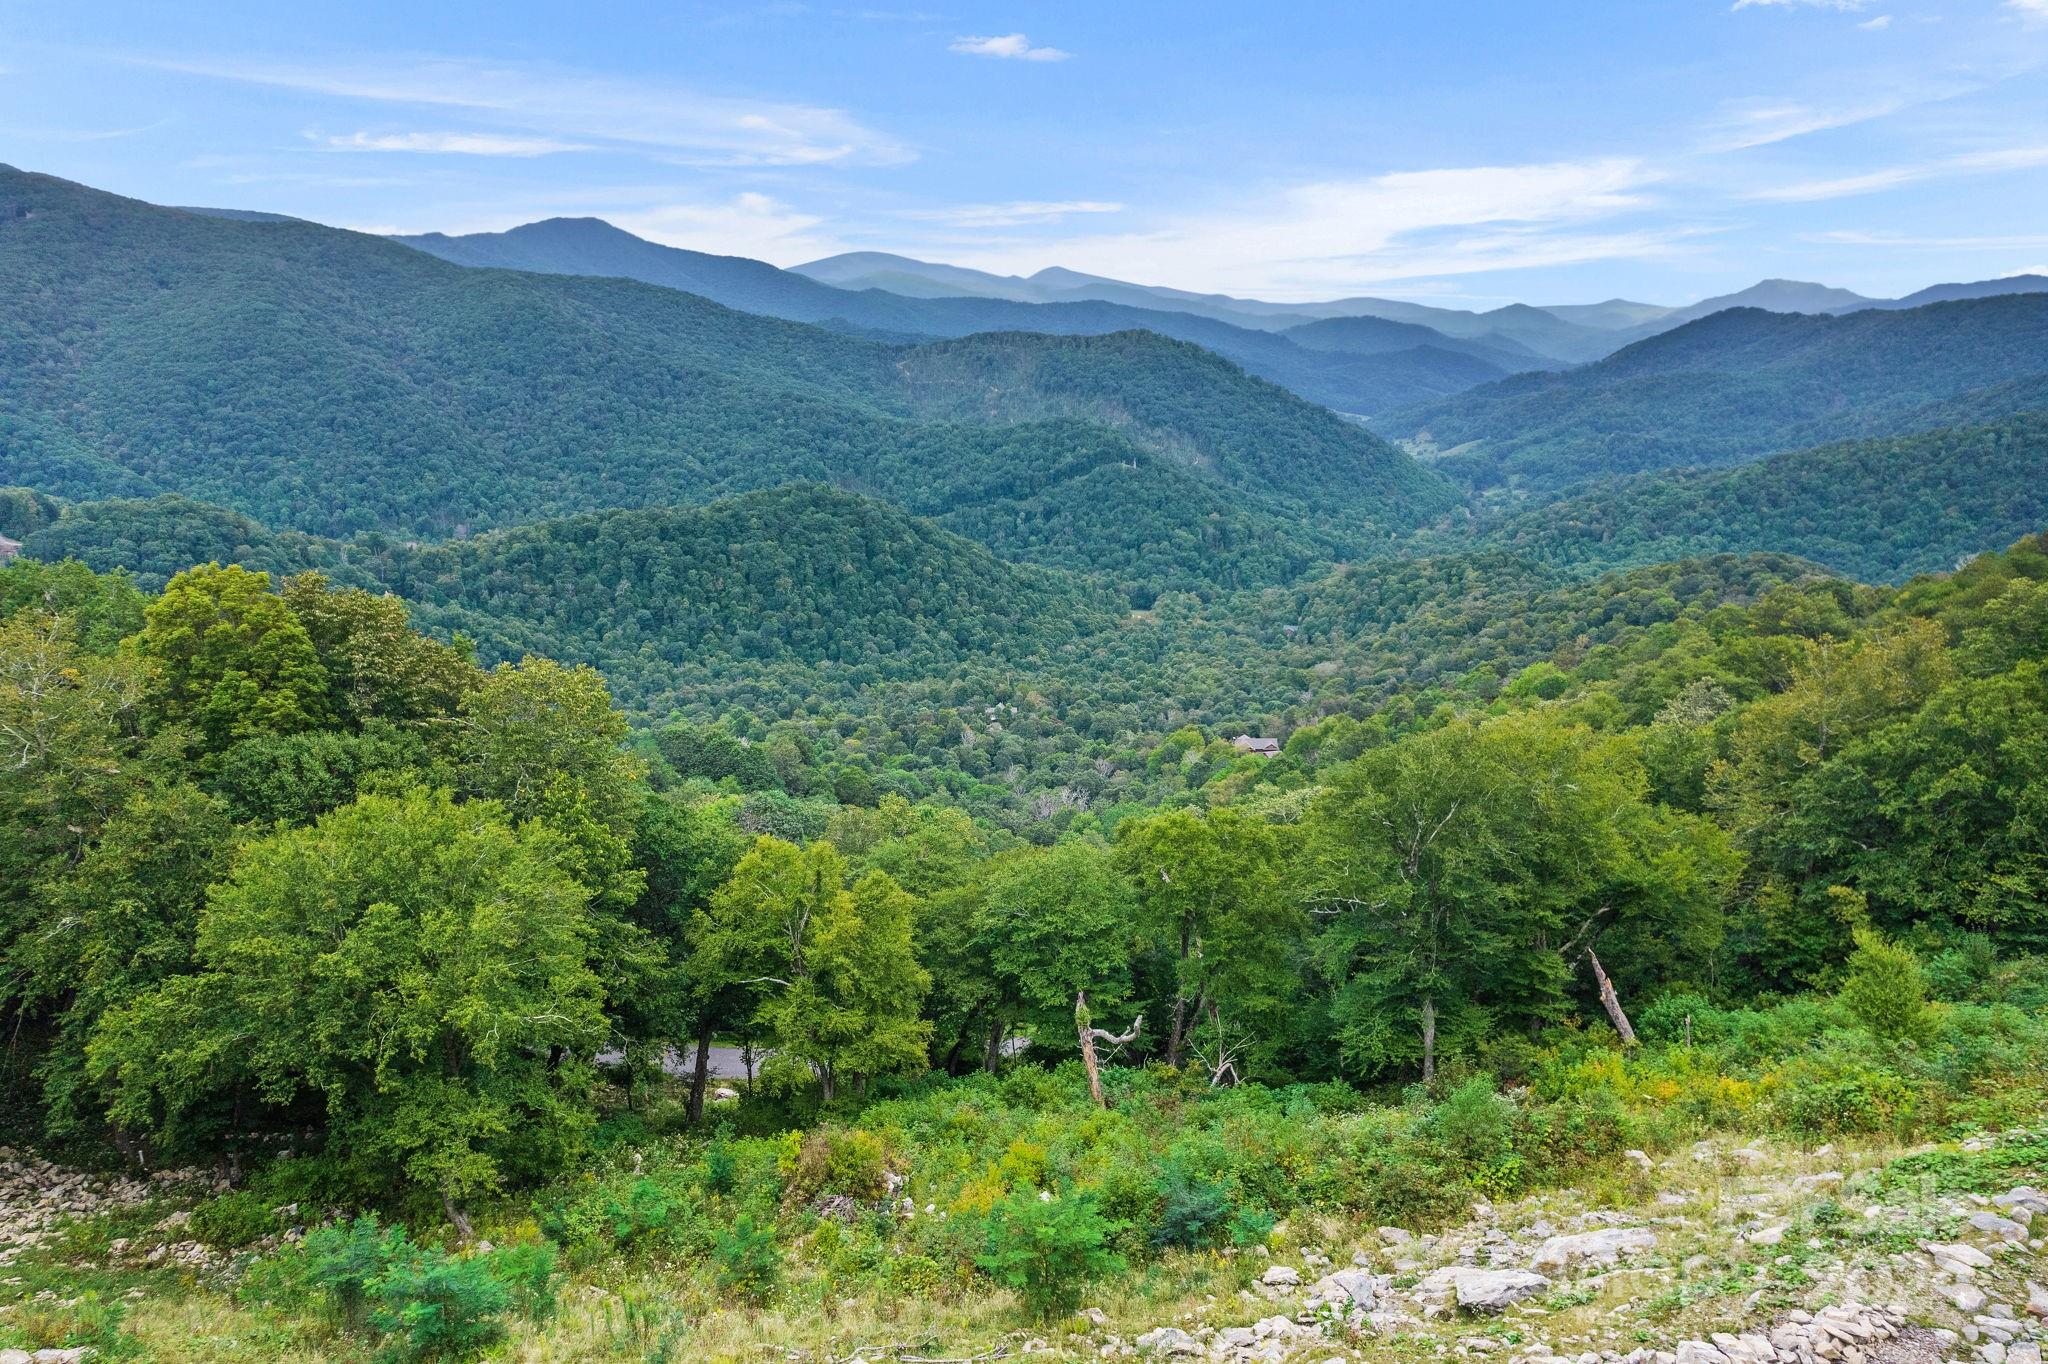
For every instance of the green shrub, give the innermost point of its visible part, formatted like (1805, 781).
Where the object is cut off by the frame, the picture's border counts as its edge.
(851, 1163)
(531, 1276)
(749, 1260)
(346, 1261)
(435, 1306)
(1886, 990)
(1474, 1126)
(1193, 1214)
(1048, 1250)
(233, 1220)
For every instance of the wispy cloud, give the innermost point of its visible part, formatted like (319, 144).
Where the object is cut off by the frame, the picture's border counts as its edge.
(459, 144)
(83, 134)
(1877, 22)
(2031, 241)
(1844, 5)
(749, 224)
(1312, 239)
(1022, 213)
(1891, 177)
(2035, 11)
(1742, 124)
(555, 103)
(1014, 46)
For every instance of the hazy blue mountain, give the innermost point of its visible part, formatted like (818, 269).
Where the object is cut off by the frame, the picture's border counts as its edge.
(1429, 366)
(1739, 385)
(1771, 295)
(1380, 336)
(1985, 288)
(1616, 314)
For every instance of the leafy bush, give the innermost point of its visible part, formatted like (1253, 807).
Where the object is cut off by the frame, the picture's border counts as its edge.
(233, 1220)
(1048, 1250)
(1192, 1214)
(749, 1260)
(1886, 990)
(437, 1307)
(851, 1163)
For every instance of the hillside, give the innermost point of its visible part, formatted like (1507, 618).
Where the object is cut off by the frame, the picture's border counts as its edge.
(1876, 510)
(334, 383)
(802, 574)
(1737, 386)
(940, 303)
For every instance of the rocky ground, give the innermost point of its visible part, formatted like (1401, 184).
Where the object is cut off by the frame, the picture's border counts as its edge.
(1737, 1255)
(1721, 1254)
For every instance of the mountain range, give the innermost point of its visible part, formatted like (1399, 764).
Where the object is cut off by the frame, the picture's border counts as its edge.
(333, 382)
(246, 386)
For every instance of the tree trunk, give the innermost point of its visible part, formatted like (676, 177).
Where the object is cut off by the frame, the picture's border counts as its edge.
(1611, 1001)
(1176, 1035)
(1428, 1038)
(456, 1217)
(701, 1072)
(1083, 1027)
(994, 1052)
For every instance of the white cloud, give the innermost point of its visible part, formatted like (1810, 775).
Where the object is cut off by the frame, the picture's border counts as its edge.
(1843, 5)
(1890, 177)
(1312, 240)
(1014, 46)
(749, 224)
(1022, 213)
(1850, 237)
(1742, 124)
(559, 103)
(461, 144)
(2032, 10)
(1879, 22)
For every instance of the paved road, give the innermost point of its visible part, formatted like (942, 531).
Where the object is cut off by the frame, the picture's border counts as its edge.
(727, 1063)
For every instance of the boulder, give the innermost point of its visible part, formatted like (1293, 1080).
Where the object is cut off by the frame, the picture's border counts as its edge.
(1605, 1246)
(1482, 1290)
(1281, 1276)
(2003, 1227)
(1348, 1288)
(1167, 1341)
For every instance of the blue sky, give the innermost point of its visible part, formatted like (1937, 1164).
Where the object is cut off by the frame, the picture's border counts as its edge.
(1468, 153)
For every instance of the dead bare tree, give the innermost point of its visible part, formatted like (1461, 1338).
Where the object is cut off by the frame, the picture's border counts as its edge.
(1222, 1062)
(1084, 1025)
(1610, 1000)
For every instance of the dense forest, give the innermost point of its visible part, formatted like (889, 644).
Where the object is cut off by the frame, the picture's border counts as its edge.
(279, 866)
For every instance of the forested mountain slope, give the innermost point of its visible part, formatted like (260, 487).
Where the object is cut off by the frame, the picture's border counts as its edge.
(1878, 510)
(331, 382)
(831, 614)
(1737, 386)
(1372, 379)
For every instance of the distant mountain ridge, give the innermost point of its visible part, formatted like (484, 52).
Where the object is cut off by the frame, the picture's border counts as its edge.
(1431, 365)
(1741, 384)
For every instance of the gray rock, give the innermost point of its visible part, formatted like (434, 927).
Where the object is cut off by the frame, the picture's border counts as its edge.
(1348, 1288)
(1482, 1290)
(1593, 1247)
(1280, 1276)
(1993, 1224)
(1169, 1340)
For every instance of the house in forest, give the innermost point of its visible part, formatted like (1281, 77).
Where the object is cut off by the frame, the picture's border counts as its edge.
(1265, 748)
